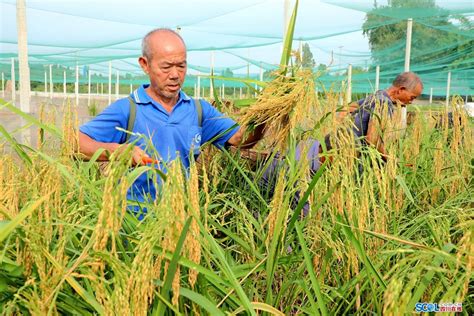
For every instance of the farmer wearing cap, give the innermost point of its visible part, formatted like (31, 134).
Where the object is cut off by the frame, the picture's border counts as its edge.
(176, 124)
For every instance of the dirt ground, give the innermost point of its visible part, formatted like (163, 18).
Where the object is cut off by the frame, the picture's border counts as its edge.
(53, 109)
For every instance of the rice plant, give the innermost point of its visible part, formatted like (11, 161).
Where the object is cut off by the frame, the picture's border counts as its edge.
(217, 242)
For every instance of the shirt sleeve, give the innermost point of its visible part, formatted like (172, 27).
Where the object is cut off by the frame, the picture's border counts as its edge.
(103, 127)
(216, 127)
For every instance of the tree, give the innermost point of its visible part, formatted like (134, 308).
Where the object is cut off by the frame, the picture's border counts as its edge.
(358, 70)
(432, 46)
(322, 69)
(303, 58)
(307, 59)
(269, 74)
(227, 73)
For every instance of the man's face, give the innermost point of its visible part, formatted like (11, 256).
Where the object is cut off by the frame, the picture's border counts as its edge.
(406, 96)
(166, 66)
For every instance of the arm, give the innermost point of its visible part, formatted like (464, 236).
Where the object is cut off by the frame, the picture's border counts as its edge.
(374, 138)
(347, 110)
(88, 146)
(216, 123)
(238, 138)
(101, 133)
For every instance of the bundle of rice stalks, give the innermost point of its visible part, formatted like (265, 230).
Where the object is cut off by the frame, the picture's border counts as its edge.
(285, 104)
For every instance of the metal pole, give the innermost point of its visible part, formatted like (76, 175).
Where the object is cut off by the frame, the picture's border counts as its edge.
(131, 88)
(431, 95)
(76, 87)
(88, 87)
(110, 82)
(211, 92)
(198, 87)
(223, 91)
(377, 78)
(64, 83)
(448, 86)
(240, 93)
(195, 90)
(407, 65)
(286, 18)
(301, 52)
(408, 44)
(51, 82)
(349, 84)
(3, 85)
(13, 80)
(117, 85)
(45, 84)
(24, 69)
(340, 57)
(341, 100)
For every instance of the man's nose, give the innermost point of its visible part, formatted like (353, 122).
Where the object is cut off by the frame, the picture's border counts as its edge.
(174, 73)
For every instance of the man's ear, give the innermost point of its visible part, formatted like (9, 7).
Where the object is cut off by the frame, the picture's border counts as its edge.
(143, 61)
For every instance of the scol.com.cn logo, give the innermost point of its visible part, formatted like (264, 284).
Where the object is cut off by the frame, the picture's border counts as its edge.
(438, 308)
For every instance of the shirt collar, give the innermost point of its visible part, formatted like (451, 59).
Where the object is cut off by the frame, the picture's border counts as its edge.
(141, 97)
(383, 94)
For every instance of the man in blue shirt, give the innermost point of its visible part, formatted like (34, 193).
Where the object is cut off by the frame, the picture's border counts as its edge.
(164, 114)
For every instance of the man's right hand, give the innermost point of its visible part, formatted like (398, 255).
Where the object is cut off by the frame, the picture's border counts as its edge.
(139, 156)
(88, 147)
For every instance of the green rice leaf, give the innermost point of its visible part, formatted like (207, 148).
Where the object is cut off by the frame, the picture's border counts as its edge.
(309, 267)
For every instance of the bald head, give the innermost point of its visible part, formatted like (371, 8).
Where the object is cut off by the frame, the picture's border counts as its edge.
(164, 37)
(164, 61)
(409, 80)
(405, 88)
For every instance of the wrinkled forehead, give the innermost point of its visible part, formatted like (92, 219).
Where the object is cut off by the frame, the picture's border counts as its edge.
(163, 44)
(171, 59)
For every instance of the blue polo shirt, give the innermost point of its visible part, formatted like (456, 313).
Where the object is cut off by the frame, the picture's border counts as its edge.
(175, 134)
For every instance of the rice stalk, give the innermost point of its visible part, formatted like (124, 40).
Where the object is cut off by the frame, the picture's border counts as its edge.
(283, 105)
(114, 202)
(193, 244)
(174, 214)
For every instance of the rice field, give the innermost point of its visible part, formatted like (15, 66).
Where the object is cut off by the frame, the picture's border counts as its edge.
(217, 243)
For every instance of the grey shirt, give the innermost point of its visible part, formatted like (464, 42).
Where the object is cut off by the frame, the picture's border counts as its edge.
(364, 113)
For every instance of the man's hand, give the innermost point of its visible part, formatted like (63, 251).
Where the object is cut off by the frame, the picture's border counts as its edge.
(347, 111)
(140, 157)
(88, 147)
(238, 138)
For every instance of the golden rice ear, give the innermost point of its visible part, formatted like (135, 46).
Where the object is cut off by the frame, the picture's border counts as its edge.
(283, 105)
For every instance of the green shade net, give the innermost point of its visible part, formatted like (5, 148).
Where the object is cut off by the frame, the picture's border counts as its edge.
(245, 37)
